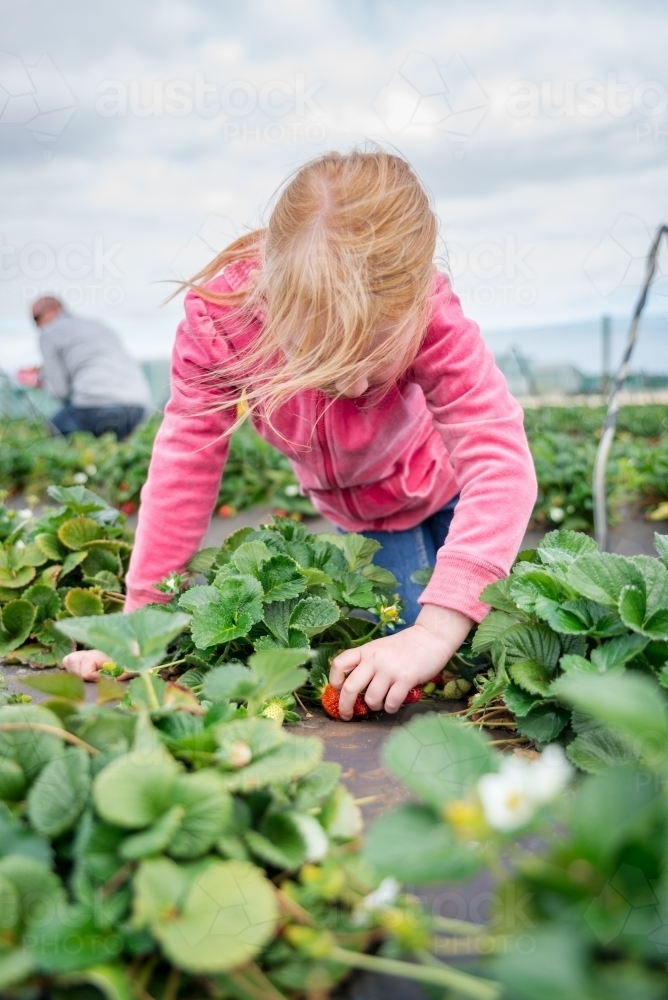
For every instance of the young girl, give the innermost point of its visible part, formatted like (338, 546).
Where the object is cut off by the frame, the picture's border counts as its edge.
(355, 360)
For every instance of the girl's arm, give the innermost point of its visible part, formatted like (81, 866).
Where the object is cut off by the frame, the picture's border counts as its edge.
(187, 463)
(188, 459)
(482, 428)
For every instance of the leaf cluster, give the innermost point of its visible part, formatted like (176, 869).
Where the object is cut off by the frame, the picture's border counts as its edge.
(568, 609)
(580, 906)
(71, 562)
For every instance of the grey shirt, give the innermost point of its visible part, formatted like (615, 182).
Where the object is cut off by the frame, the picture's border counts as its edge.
(86, 364)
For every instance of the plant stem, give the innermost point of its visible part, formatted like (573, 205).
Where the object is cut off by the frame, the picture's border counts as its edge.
(365, 638)
(171, 990)
(520, 739)
(173, 663)
(43, 727)
(439, 975)
(153, 702)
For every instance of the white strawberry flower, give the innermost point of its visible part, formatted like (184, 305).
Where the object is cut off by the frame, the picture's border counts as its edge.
(511, 796)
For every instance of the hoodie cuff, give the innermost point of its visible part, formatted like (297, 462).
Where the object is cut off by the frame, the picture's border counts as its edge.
(138, 598)
(457, 583)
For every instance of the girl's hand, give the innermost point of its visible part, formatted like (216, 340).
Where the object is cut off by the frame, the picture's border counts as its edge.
(389, 667)
(87, 664)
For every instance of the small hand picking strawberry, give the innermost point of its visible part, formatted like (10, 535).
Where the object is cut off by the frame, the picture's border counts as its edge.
(329, 699)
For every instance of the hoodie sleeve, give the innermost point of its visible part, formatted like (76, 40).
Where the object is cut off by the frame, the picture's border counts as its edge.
(483, 430)
(188, 459)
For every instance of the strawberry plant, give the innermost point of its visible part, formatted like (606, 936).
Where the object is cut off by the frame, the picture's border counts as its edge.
(70, 562)
(577, 879)
(566, 609)
(165, 847)
(271, 589)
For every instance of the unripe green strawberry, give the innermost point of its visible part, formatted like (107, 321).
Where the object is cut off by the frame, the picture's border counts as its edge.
(455, 689)
(274, 710)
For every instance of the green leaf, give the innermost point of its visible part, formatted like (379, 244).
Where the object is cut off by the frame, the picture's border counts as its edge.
(656, 625)
(15, 967)
(632, 607)
(280, 579)
(293, 759)
(82, 603)
(77, 531)
(229, 682)
(80, 500)
(618, 652)
(423, 576)
(224, 612)
(532, 642)
(202, 561)
(155, 839)
(661, 546)
(491, 628)
(14, 579)
(601, 577)
(562, 547)
(498, 596)
(610, 809)
(50, 546)
(99, 560)
(277, 619)
(220, 921)
(534, 591)
(630, 702)
(59, 794)
(357, 549)
(278, 672)
(411, 844)
(655, 575)
(110, 980)
(33, 555)
(12, 780)
(16, 622)
(137, 641)
(519, 702)
(313, 615)
(41, 893)
(71, 561)
(135, 790)
(530, 676)
(572, 663)
(208, 809)
(543, 723)
(45, 599)
(599, 749)
(31, 748)
(282, 838)
(437, 758)
(250, 557)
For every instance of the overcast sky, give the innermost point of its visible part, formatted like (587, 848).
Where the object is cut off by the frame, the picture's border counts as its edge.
(138, 138)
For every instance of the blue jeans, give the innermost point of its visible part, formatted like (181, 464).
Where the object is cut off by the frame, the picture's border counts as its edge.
(405, 551)
(98, 420)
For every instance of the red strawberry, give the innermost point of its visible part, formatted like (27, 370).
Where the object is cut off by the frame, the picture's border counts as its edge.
(413, 695)
(129, 507)
(225, 510)
(329, 699)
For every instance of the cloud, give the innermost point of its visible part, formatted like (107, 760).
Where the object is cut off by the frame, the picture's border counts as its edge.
(216, 103)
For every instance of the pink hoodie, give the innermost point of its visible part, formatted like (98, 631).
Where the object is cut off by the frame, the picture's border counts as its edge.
(449, 426)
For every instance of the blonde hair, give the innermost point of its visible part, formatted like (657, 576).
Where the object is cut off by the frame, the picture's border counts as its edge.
(348, 249)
